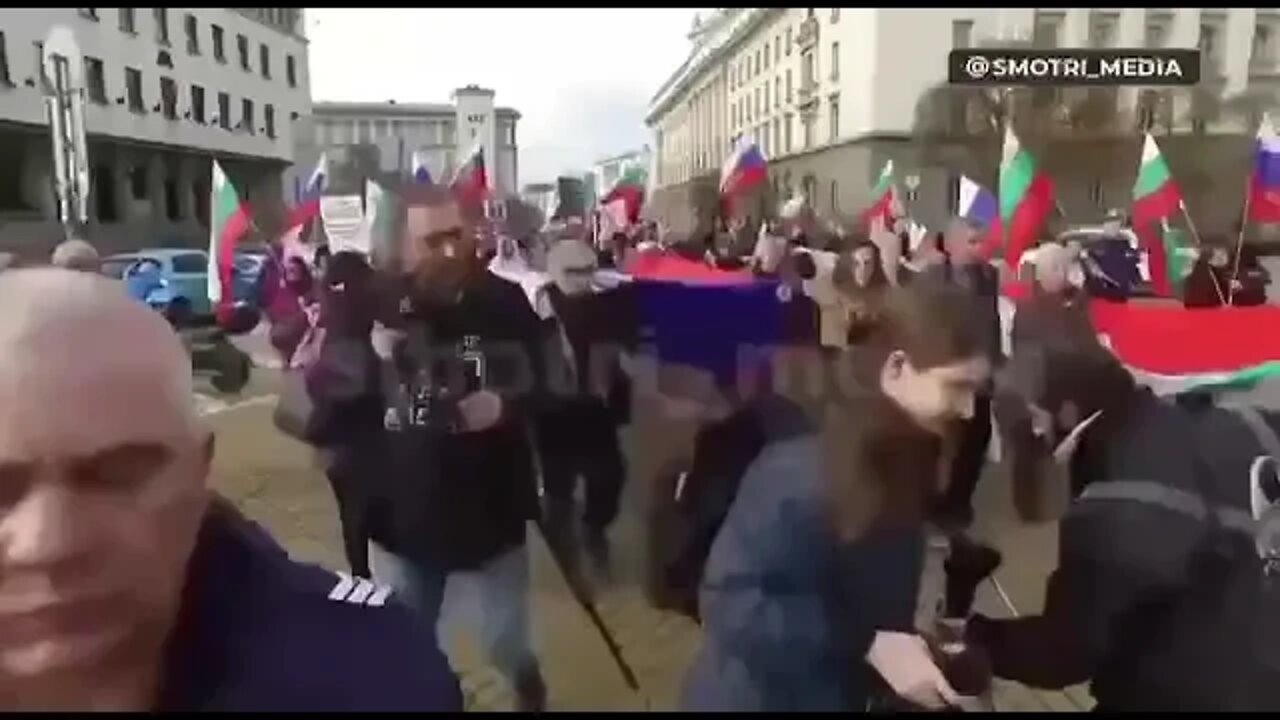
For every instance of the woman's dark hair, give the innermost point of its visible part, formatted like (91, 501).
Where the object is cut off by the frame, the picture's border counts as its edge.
(842, 275)
(932, 321)
(881, 466)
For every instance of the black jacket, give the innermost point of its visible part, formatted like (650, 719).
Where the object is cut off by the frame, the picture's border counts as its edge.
(589, 392)
(1126, 552)
(454, 500)
(983, 282)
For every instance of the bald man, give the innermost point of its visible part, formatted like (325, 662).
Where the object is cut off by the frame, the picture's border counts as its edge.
(76, 254)
(124, 583)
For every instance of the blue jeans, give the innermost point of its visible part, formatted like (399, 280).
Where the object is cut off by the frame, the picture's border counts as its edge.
(491, 602)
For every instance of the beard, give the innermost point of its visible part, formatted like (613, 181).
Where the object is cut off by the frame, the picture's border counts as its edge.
(440, 284)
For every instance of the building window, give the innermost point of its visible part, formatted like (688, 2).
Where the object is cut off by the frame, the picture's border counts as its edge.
(172, 209)
(138, 182)
(835, 196)
(197, 104)
(1156, 32)
(1209, 46)
(169, 98)
(246, 116)
(95, 80)
(128, 20)
(269, 120)
(807, 121)
(777, 49)
(1047, 33)
(89, 14)
(786, 133)
(833, 117)
(732, 80)
(190, 27)
(733, 116)
(1095, 193)
(39, 46)
(4, 63)
(264, 58)
(766, 97)
(766, 56)
(219, 50)
(757, 101)
(103, 192)
(161, 16)
(291, 71)
(788, 86)
(133, 89)
(835, 18)
(961, 34)
(788, 42)
(835, 61)
(757, 66)
(200, 194)
(1102, 29)
(224, 111)
(1264, 45)
(242, 44)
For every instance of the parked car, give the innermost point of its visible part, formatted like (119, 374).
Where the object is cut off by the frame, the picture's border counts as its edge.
(176, 281)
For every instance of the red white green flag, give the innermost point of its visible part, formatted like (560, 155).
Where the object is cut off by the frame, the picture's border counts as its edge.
(1156, 199)
(228, 222)
(1026, 199)
(630, 189)
(883, 197)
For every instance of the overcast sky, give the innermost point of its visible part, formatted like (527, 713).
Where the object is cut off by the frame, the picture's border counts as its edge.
(581, 78)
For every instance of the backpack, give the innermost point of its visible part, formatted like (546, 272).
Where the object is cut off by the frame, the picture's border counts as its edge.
(1214, 644)
(695, 500)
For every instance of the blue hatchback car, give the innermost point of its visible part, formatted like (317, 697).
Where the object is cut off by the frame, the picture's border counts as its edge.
(176, 281)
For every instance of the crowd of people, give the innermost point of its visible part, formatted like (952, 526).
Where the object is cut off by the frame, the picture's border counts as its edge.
(451, 405)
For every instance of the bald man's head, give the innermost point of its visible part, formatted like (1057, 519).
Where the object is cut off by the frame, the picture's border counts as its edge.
(76, 254)
(103, 467)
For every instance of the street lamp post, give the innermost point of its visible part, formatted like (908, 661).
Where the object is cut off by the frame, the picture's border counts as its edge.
(64, 101)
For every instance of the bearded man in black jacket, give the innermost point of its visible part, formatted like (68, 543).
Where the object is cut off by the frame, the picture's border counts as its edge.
(460, 481)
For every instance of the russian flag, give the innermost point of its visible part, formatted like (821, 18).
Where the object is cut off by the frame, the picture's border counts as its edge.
(308, 205)
(421, 174)
(1264, 182)
(979, 207)
(471, 180)
(745, 168)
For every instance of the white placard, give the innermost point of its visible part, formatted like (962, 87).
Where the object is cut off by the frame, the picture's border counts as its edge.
(344, 223)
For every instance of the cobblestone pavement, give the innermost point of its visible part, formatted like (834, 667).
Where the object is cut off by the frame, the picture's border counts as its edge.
(275, 480)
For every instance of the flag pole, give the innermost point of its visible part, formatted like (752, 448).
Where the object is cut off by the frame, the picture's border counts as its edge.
(1244, 220)
(1195, 234)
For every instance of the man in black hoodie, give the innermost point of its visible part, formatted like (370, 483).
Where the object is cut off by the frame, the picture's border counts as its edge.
(461, 482)
(1163, 597)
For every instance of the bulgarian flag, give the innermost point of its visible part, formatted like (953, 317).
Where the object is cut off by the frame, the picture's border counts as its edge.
(1156, 199)
(1174, 349)
(471, 180)
(228, 222)
(630, 189)
(883, 198)
(1026, 199)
